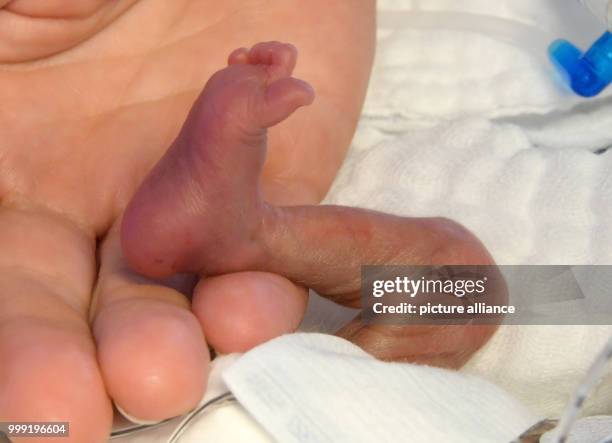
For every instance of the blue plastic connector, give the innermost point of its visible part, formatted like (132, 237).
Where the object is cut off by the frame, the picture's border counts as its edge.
(588, 74)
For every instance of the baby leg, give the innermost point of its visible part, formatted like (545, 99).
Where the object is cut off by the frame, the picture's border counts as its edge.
(200, 210)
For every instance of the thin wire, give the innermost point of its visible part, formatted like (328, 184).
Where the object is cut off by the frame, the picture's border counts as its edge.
(182, 427)
(137, 428)
(226, 397)
(563, 427)
(590, 381)
(529, 39)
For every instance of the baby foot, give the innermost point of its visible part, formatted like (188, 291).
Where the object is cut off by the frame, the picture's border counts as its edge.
(201, 210)
(201, 203)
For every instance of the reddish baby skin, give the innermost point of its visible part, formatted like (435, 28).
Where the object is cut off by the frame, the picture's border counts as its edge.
(201, 211)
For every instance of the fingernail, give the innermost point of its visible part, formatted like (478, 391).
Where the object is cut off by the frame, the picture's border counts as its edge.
(134, 419)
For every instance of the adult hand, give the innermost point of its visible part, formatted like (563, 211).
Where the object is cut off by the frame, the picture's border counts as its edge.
(93, 93)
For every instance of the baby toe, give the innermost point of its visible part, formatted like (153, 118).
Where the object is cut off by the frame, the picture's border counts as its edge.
(280, 58)
(284, 97)
(238, 56)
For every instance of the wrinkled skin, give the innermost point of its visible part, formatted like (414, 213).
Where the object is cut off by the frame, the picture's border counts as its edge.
(93, 92)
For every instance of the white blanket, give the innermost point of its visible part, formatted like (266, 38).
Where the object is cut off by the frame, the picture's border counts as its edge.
(465, 119)
(474, 127)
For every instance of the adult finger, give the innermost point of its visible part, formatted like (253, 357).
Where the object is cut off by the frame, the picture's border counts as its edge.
(48, 367)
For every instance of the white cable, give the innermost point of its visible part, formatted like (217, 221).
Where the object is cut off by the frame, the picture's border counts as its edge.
(590, 381)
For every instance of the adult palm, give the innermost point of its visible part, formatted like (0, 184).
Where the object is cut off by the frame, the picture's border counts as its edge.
(92, 93)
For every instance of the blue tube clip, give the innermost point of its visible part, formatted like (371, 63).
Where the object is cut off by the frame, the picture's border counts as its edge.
(588, 74)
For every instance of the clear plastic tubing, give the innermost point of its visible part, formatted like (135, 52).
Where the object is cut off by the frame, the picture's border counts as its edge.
(587, 73)
(530, 39)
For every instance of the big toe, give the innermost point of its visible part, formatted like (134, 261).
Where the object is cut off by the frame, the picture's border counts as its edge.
(283, 98)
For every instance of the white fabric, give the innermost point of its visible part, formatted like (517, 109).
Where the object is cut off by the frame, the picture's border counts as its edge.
(464, 119)
(326, 390)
